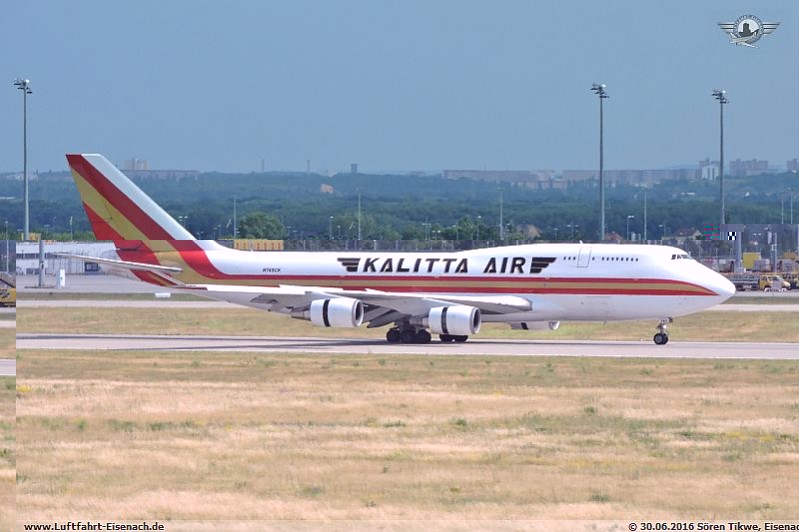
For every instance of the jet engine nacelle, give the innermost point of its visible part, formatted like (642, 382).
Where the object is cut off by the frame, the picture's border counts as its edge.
(536, 325)
(335, 312)
(456, 320)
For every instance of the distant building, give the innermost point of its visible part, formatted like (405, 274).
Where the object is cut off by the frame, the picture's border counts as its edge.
(354, 168)
(793, 165)
(709, 169)
(135, 164)
(739, 168)
(325, 188)
(632, 177)
(28, 257)
(175, 175)
(529, 178)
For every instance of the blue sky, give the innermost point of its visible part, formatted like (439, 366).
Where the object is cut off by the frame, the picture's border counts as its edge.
(394, 85)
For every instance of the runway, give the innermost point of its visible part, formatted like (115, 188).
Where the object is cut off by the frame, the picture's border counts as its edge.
(332, 346)
(8, 367)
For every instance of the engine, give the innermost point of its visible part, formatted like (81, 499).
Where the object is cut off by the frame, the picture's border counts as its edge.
(335, 312)
(536, 325)
(455, 320)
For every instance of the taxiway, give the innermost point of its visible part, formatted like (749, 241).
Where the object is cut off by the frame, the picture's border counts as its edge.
(8, 367)
(475, 347)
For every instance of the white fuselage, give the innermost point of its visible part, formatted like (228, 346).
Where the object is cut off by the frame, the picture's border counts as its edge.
(582, 282)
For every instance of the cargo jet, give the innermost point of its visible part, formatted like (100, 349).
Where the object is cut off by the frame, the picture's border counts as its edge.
(449, 294)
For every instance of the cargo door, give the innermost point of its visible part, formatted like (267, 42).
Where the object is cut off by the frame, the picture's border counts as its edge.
(584, 259)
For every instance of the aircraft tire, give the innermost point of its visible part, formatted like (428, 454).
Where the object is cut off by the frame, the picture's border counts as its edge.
(408, 336)
(393, 336)
(446, 338)
(460, 338)
(661, 339)
(422, 337)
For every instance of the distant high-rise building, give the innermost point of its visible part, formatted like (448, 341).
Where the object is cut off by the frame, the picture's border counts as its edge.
(354, 168)
(136, 164)
(793, 165)
(709, 169)
(739, 168)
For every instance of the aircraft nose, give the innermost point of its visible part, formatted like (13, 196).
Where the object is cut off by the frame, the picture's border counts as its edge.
(723, 287)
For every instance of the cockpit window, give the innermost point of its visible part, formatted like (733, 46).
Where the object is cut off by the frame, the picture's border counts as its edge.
(680, 256)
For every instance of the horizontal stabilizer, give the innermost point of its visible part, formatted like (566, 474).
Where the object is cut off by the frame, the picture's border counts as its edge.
(128, 265)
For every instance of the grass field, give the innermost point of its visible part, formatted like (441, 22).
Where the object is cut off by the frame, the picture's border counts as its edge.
(711, 326)
(7, 453)
(7, 342)
(134, 435)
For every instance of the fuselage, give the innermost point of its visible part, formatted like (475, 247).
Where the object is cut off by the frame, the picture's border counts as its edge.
(562, 281)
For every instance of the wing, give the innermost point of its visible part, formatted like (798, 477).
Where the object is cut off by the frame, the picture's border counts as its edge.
(769, 27)
(381, 307)
(728, 27)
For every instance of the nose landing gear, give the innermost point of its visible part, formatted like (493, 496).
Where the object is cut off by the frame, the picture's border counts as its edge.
(662, 337)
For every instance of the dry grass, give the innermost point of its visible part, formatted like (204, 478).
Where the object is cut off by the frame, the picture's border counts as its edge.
(7, 453)
(709, 326)
(7, 342)
(134, 435)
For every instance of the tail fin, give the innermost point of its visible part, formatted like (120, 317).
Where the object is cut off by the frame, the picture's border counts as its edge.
(117, 209)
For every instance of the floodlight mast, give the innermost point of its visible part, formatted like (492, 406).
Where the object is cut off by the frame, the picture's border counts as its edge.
(25, 86)
(599, 90)
(720, 95)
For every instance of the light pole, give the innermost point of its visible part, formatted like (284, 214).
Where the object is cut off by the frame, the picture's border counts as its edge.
(25, 86)
(629, 217)
(720, 95)
(501, 226)
(7, 252)
(359, 215)
(599, 90)
(782, 208)
(235, 221)
(644, 216)
(330, 228)
(479, 220)
(572, 227)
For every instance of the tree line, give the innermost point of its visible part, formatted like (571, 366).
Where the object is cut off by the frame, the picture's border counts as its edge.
(294, 206)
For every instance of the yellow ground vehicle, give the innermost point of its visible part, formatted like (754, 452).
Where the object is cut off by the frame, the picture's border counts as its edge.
(8, 297)
(792, 278)
(773, 283)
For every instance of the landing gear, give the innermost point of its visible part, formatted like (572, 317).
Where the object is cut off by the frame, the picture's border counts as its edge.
(407, 335)
(393, 335)
(453, 338)
(662, 337)
(422, 337)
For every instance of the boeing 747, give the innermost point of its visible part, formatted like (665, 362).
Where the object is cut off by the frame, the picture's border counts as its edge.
(534, 286)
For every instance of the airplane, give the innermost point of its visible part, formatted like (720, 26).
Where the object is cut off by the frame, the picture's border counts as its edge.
(451, 294)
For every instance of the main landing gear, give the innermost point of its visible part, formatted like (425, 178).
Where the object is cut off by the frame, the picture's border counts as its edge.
(408, 334)
(662, 337)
